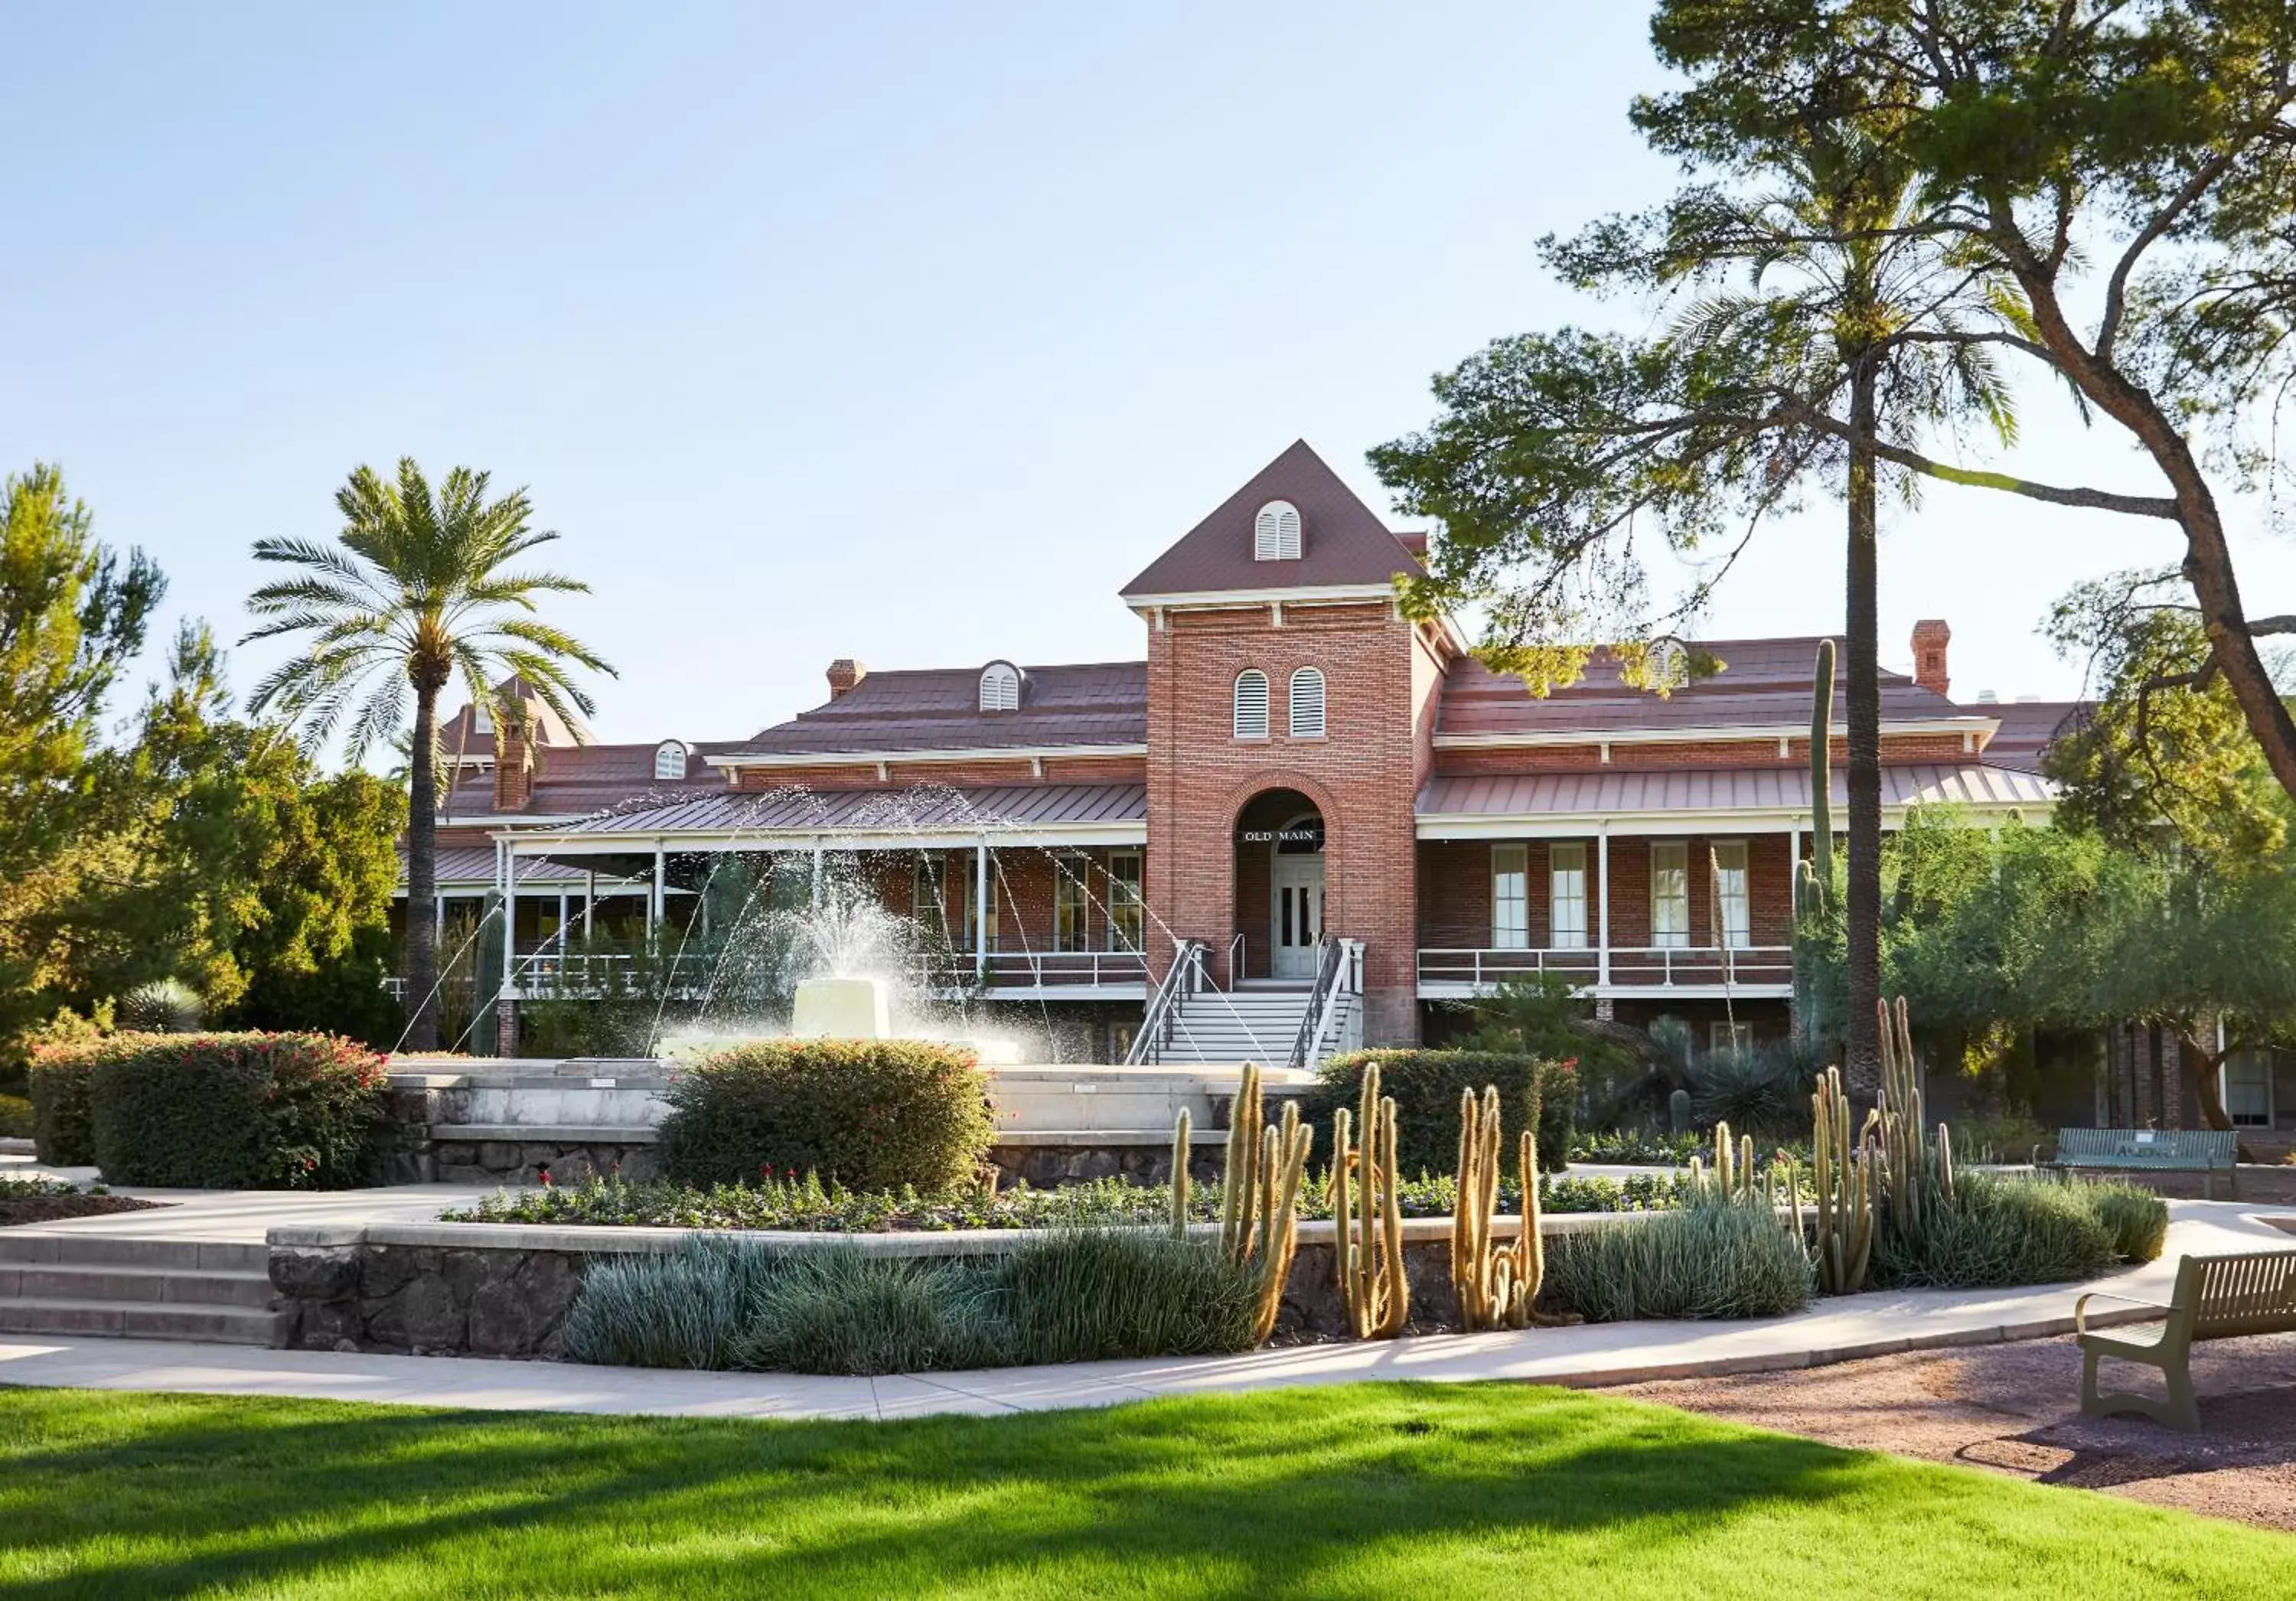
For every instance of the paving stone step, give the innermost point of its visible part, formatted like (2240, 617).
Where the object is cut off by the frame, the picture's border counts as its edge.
(127, 1251)
(216, 1325)
(60, 1281)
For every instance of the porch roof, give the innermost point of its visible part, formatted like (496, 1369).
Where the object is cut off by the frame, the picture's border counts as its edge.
(729, 816)
(1680, 795)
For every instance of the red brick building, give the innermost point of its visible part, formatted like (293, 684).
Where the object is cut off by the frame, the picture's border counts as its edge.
(1293, 789)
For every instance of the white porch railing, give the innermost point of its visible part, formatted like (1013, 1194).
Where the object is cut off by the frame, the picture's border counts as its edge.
(1631, 967)
(1025, 969)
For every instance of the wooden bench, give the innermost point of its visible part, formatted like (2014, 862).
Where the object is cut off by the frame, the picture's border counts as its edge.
(2216, 1298)
(2207, 1152)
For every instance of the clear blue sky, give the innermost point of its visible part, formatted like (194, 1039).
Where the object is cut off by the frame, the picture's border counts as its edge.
(905, 333)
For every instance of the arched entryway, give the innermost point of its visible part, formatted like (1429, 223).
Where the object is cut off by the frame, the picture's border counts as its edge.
(1279, 885)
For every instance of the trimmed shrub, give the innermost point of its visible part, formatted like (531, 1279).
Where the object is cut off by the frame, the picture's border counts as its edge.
(15, 1118)
(1714, 1260)
(216, 1111)
(2002, 1232)
(1087, 1294)
(2134, 1217)
(62, 1132)
(1426, 1087)
(868, 1114)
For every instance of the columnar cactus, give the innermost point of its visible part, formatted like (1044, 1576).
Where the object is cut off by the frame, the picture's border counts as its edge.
(1181, 1149)
(1843, 1177)
(1495, 1283)
(1677, 1112)
(1918, 1174)
(1259, 1211)
(1367, 1217)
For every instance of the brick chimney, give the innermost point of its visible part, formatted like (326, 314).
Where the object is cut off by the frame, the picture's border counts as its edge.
(844, 673)
(513, 758)
(1931, 636)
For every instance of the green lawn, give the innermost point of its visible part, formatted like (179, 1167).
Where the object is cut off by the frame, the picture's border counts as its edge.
(1395, 1491)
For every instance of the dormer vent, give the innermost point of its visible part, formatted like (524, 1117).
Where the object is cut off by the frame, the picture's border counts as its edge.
(1000, 687)
(1275, 533)
(669, 760)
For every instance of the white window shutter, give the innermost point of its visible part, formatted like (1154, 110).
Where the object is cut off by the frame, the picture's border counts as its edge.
(1000, 687)
(1252, 705)
(1275, 533)
(1308, 703)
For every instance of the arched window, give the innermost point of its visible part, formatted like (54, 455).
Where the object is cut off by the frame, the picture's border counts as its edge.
(1000, 687)
(1275, 533)
(1252, 705)
(669, 760)
(1307, 703)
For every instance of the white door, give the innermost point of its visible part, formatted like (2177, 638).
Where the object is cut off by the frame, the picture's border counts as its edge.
(1299, 915)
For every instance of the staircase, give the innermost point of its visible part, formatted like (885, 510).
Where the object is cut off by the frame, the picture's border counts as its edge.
(1252, 1025)
(68, 1283)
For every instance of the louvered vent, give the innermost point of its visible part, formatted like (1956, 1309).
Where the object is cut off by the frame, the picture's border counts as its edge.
(1000, 687)
(1275, 533)
(669, 760)
(1308, 703)
(1252, 705)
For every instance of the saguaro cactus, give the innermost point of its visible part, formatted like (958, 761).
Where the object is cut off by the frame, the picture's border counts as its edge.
(1181, 1148)
(1842, 1174)
(1260, 1212)
(1367, 1217)
(1496, 1283)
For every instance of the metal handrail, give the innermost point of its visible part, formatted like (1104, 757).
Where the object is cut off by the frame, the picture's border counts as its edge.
(1185, 974)
(1237, 949)
(1330, 964)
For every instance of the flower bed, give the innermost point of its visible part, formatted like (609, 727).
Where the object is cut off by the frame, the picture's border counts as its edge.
(810, 1206)
(52, 1201)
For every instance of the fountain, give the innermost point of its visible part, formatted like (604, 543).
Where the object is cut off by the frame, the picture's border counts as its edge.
(840, 1008)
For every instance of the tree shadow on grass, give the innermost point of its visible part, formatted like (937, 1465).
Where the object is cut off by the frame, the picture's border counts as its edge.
(1310, 1492)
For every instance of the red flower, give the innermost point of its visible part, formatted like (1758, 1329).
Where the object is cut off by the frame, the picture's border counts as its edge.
(545, 1177)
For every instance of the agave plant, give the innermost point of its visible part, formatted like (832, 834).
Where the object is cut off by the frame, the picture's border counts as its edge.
(162, 1006)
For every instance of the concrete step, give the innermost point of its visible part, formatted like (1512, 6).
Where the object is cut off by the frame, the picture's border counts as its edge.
(142, 1287)
(216, 1325)
(127, 1251)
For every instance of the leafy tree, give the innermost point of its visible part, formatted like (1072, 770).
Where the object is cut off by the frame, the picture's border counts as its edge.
(1826, 306)
(2163, 755)
(2131, 166)
(416, 591)
(72, 614)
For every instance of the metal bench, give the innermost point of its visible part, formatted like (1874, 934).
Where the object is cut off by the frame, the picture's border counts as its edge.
(2216, 1298)
(2207, 1152)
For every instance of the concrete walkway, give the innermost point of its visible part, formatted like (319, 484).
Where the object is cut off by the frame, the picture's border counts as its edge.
(1837, 1330)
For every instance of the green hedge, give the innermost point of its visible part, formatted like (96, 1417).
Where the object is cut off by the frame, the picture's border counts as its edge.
(211, 1111)
(868, 1114)
(1426, 1085)
(15, 1118)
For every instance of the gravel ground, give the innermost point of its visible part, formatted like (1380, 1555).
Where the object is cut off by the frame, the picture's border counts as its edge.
(2015, 1409)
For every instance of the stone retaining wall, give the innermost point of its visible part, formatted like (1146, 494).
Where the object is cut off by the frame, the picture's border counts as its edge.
(504, 1290)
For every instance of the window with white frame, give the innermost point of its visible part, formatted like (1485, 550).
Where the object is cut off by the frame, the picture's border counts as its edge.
(1128, 909)
(1000, 687)
(1511, 897)
(1252, 705)
(1732, 903)
(1566, 895)
(669, 760)
(1275, 533)
(1307, 703)
(1670, 886)
(1071, 903)
(929, 896)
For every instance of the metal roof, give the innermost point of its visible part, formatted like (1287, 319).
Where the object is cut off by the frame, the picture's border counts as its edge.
(1343, 541)
(928, 808)
(938, 708)
(1718, 789)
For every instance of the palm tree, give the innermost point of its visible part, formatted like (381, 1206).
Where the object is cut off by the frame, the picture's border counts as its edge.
(410, 595)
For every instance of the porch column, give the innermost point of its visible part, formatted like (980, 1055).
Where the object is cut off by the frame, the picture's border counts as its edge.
(980, 912)
(438, 924)
(507, 856)
(653, 901)
(589, 902)
(1603, 906)
(1793, 877)
(815, 888)
(565, 911)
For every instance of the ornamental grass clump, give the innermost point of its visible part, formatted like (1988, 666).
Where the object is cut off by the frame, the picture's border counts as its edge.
(1090, 1294)
(837, 1310)
(868, 1114)
(684, 1308)
(1713, 1259)
(2135, 1218)
(2007, 1232)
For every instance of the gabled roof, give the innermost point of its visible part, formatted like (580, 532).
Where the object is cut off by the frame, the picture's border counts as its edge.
(2028, 729)
(1343, 542)
(938, 708)
(460, 734)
